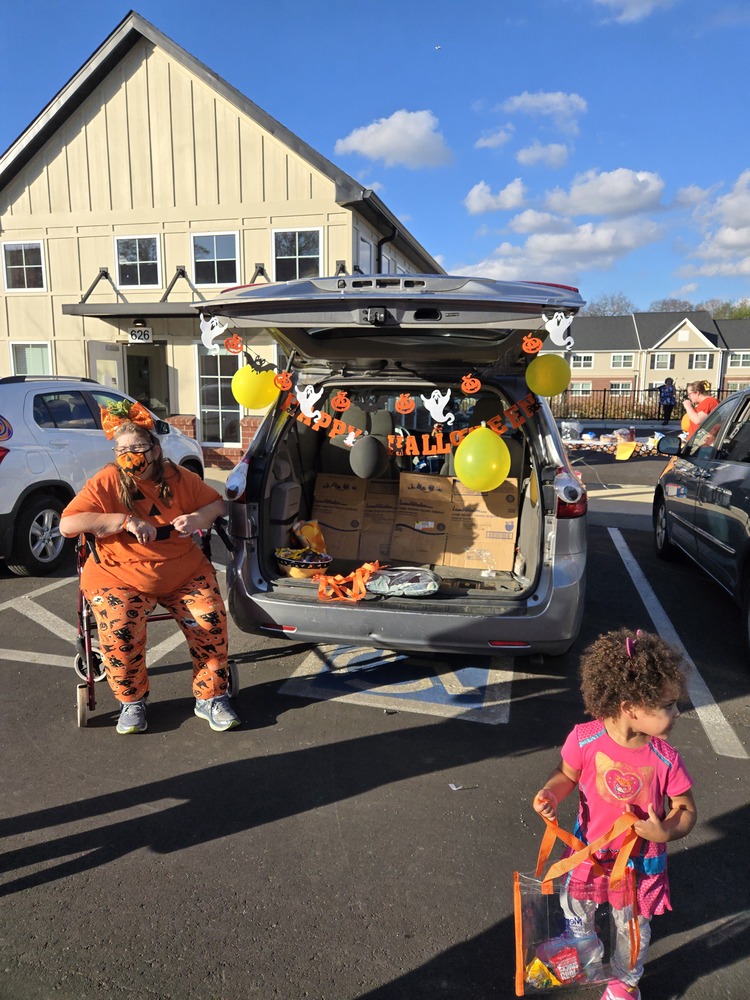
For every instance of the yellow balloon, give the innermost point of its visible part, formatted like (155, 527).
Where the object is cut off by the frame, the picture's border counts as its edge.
(254, 390)
(686, 424)
(548, 375)
(482, 460)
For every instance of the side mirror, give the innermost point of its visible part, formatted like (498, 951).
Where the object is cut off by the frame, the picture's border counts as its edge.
(162, 427)
(670, 444)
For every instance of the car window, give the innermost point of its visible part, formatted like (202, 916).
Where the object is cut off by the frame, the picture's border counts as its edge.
(67, 410)
(736, 443)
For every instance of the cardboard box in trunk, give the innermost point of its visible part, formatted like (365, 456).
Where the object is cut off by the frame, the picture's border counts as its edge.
(338, 507)
(378, 520)
(422, 518)
(483, 527)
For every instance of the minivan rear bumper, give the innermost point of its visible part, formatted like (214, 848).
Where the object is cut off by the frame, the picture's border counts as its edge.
(525, 626)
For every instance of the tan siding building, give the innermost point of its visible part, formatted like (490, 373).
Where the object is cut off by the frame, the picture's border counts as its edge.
(146, 184)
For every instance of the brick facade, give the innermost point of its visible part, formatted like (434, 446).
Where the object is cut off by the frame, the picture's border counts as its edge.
(218, 458)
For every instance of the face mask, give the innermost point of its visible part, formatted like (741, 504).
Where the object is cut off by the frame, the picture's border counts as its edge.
(133, 462)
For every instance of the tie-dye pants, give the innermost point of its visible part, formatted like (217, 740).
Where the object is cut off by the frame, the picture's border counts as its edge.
(121, 617)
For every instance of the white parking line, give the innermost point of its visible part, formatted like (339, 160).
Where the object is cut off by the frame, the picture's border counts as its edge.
(720, 734)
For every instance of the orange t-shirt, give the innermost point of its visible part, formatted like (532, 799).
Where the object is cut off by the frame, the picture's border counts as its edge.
(156, 567)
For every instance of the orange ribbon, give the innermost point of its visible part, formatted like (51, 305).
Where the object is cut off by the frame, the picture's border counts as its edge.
(137, 414)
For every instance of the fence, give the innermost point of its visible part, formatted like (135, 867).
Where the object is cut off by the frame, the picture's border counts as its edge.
(609, 405)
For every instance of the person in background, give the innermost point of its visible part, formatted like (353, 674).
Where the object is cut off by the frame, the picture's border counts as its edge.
(698, 404)
(667, 400)
(142, 511)
(621, 762)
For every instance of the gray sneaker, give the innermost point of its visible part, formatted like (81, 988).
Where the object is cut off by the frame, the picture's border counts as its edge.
(132, 717)
(217, 712)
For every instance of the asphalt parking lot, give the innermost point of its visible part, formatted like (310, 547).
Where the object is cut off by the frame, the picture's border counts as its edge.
(356, 837)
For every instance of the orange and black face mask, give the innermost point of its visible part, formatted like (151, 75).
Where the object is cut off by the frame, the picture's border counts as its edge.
(134, 463)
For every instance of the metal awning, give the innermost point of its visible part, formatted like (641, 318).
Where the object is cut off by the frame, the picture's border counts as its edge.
(123, 310)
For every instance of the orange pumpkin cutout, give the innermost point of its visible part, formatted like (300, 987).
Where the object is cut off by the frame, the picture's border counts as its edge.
(234, 344)
(531, 344)
(405, 403)
(470, 384)
(283, 381)
(341, 401)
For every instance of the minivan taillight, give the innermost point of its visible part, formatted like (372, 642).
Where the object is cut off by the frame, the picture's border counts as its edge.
(572, 500)
(4, 452)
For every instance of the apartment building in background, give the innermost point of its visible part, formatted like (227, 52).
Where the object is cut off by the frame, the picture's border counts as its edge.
(148, 183)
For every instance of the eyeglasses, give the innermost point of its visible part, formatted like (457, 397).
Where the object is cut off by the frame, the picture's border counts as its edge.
(133, 451)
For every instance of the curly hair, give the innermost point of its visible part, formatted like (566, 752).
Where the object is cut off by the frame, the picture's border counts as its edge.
(610, 675)
(127, 487)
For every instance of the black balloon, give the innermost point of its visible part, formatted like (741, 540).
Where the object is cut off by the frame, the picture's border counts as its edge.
(368, 457)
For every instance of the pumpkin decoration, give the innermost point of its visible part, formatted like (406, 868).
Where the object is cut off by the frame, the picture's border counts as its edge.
(470, 384)
(531, 344)
(283, 381)
(341, 401)
(234, 344)
(405, 403)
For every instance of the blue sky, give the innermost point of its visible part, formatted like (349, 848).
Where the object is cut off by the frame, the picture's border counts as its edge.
(600, 143)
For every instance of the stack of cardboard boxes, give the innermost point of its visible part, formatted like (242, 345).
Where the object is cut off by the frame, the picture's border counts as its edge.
(425, 519)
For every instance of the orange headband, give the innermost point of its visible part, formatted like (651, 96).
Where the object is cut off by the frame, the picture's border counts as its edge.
(115, 414)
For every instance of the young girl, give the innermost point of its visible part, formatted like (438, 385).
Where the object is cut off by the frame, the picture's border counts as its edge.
(621, 762)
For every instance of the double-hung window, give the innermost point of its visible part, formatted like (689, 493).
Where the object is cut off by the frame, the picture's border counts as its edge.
(219, 410)
(30, 358)
(582, 361)
(623, 360)
(297, 253)
(701, 360)
(215, 260)
(23, 266)
(739, 359)
(138, 263)
(620, 388)
(580, 389)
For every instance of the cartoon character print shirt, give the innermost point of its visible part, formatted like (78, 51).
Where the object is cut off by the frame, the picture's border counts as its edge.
(157, 567)
(615, 779)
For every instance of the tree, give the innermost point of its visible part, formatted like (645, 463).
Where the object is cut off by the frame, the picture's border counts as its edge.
(609, 304)
(722, 309)
(671, 305)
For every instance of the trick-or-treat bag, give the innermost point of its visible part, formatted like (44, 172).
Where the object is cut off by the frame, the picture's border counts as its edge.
(566, 915)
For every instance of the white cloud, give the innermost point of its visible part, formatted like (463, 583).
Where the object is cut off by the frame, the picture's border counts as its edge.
(562, 108)
(733, 208)
(496, 139)
(408, 138)
(725, 248)
(481, 199)
(691, 196)
(630, 11)
(564, 256)
(532, 221)
(618, 192)
(553, 155)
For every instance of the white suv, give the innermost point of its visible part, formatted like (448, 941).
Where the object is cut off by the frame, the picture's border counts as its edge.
(51, 442)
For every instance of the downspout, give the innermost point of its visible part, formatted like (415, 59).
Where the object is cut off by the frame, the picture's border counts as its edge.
(379, 249)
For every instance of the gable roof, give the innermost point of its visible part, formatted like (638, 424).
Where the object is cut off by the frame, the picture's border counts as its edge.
(654, 327)
(735, 333)
(604, 333)
(129, 31)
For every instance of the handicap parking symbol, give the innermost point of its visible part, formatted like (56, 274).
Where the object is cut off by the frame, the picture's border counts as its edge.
(475, 691)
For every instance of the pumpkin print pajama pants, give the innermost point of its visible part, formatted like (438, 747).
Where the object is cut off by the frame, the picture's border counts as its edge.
(121, 617)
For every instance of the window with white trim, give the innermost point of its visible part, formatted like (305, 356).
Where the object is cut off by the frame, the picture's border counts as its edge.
(32, 358)
(215, 260)
(663, 360)
(620, 388)
(739, 359)
(580, 389)
(701, 361)
(297, 253)
(23, 266)
(138, 262)
(218, 409)
(622, 360)
(582, 361)
(736, 386)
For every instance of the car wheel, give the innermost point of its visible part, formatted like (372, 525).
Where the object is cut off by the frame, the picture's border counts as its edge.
(38, 546)
(664, 547)
(195, 467)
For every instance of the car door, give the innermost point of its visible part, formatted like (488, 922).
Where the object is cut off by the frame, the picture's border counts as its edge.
(63, 422)
(722, 511)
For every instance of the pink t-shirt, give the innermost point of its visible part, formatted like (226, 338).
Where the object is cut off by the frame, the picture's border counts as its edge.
(614, 779)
